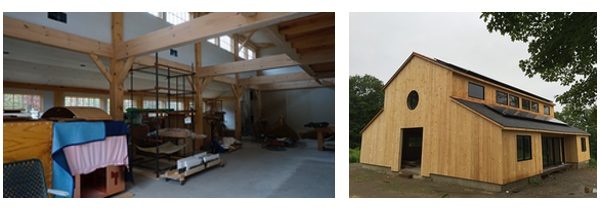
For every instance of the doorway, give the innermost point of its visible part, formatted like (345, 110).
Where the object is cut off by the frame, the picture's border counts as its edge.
(412, 143)
(552, 151)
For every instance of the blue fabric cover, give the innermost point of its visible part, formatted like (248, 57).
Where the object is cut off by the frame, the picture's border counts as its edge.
(115, 128)
(67, 134)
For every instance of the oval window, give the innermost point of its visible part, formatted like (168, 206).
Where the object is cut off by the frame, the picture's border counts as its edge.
(413, 100)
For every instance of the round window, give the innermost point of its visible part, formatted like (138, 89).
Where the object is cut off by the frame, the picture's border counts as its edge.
(412, 100)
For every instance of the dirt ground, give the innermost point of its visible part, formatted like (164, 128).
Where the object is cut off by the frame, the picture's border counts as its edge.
(379, 182)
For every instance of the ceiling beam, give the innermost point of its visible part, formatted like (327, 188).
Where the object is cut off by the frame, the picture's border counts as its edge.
(322, 56)
(279, 40)
(298, 76)
(43, 35)
(149, 61)
(308, 24)
(210, 25)
(262, 63)
(293, 85)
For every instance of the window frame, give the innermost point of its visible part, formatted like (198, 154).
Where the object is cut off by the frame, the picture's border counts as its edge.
(528, 108)
(517, 102)
(583, 144)
(498, 92)
(536, 105)
(546, 108)
(412, 96)
(22, 94)
(521, 139)
(474, 96)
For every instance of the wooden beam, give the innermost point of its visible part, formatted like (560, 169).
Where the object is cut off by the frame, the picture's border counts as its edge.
(197, 82)
(299, 76)
(101, 67)
(262, 63)
(279, 40)
(291, 85)
(210, 25)
(314, 41)
(70, 89)
(117, 67)
(43, 35)
(238, 92)
(149, 61)
(322, 56)
(308, 24)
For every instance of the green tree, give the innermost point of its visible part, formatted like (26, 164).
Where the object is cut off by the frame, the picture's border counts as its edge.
(366, 99)
(562, 48)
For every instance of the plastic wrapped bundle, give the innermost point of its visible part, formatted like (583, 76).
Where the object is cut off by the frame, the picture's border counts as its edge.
(210, 157)
(191, 161)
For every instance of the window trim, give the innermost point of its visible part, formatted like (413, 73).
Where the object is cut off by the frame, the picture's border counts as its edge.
(482, 92)
(518, 101)
(500, 92)
(521, 138)
(546, 107)
(408, 100)
(537, 108)
(523, 100)
(583, 144)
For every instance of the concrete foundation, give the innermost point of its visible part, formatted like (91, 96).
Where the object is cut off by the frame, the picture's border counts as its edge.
(483, 185)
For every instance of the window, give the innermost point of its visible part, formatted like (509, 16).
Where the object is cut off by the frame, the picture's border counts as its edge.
(513, 101)
(82, 101)
(476, 91)
(151, 104)
(172, 17)
(523, 147)
(127, 103)
(546, 110)
(177, 17)
(526, 104)
(22, 102)
(583, 145)
(176, 105)
(501, 97)
(412, 100)
(535, 107)
(251, 54)
(212, 41)
(225, 43)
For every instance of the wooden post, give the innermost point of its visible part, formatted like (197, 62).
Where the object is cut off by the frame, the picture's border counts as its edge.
(59, 98)
(238, 92)
(198, 104)
(139, 101)
(116, 67)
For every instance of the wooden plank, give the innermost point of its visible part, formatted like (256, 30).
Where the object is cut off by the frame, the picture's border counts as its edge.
(101, 67)
(299, 76)
(43, 35)
(314, 41)
(309, 24)
(117, 67)
(198, 86)
(279, 40)
(322, 56)
(268, 62)
(210, 25)
(29, 140)
(290, 86)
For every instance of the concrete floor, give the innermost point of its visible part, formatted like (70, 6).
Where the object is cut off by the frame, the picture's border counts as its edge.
(251, 172)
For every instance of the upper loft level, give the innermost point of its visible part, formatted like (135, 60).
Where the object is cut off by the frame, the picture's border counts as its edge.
(474, 87)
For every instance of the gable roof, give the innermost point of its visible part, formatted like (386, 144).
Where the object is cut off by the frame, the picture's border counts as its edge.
(515, 121)
(462, 71)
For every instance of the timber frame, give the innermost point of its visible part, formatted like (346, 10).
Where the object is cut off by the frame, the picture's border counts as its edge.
(307, 40)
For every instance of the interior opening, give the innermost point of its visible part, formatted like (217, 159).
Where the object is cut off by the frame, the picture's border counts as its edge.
(412, 143)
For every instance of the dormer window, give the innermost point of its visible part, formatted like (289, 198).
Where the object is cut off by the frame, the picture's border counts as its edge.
(501, 97)
(513, 101)
(476, 91)
(526, 104)
(546, 110)
(535, 107)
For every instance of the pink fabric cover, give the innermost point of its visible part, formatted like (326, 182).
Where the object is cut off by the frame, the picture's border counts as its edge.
(86, 158)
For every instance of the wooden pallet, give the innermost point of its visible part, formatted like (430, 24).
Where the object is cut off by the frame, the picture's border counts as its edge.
(175, 175)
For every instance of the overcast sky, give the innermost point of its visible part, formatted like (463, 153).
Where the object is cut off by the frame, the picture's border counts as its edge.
(380, 42)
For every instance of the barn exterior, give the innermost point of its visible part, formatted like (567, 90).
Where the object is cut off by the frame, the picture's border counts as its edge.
(449, 123)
